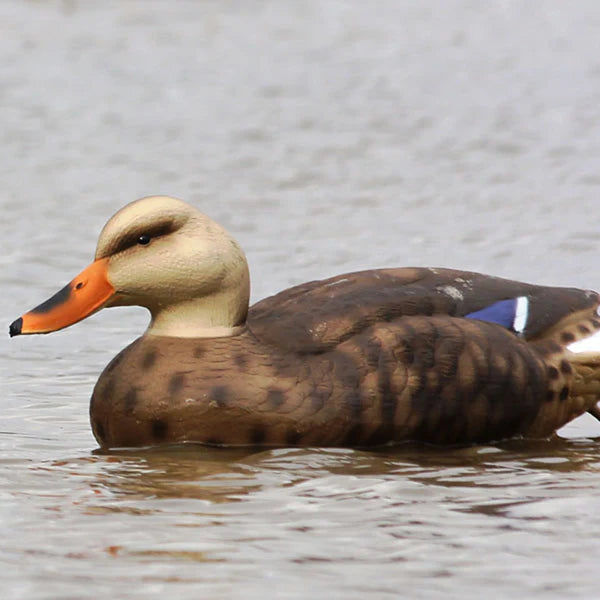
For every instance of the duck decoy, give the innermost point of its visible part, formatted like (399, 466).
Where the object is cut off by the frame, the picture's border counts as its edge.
(361, 359)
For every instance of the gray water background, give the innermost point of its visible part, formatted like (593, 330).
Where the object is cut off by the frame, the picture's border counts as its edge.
(327, 137)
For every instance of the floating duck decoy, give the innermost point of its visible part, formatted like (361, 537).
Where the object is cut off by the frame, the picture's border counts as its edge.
(361, 359)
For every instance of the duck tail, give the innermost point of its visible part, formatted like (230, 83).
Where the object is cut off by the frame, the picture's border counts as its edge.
(586, 381)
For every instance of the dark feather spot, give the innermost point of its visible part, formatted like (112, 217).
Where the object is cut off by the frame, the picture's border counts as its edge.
(407, 355)
(159, 429)
(130, 401)
(419, 394)
(105, 395)
(373, 352)
(354, 435)
(176, 383)
(387, 315)
(382, 435)
(537, 386)
(219, 394)
(565, 367)
(292, 437)
(446, 358)
(583, 329)
(353, 401)
(258, 435)
(596, 323)
(426, 357)
(564, 393)
(567, 337)
(426, 306)
(555, 346)
(99, 430)
(114, 363)
(553, 373)
(240, 360)
(148, 360)
(409, 306)
(388, 401)
(199, 352)
(275, 398)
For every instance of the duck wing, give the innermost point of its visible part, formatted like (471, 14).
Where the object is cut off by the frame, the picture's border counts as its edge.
(319, 315)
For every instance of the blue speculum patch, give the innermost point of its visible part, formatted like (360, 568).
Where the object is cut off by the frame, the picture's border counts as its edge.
(503, 313)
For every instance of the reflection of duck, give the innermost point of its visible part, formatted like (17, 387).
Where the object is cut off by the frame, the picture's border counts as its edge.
(360, 359)
(215, 475)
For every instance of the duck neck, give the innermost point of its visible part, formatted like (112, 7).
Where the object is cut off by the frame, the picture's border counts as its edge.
(206, 317)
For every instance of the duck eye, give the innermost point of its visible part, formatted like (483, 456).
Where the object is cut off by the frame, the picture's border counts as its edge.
(143, 240)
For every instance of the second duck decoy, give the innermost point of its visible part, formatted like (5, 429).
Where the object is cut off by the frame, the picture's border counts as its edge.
(361, 359)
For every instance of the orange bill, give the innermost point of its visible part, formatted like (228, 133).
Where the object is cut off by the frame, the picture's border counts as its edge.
(87, 293)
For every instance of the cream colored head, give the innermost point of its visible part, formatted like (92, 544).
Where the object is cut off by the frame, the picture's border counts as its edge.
(191, 274)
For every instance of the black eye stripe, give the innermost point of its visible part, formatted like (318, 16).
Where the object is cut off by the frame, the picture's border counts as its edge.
(143, 237)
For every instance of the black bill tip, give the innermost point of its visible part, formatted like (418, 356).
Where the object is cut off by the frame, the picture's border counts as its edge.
(15, 327)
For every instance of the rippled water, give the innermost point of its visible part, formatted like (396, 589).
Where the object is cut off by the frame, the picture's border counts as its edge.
(328, 137)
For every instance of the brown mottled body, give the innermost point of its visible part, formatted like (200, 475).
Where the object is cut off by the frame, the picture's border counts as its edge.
(361, 359)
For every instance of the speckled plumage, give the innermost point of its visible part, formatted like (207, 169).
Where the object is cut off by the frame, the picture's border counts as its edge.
(360, 359)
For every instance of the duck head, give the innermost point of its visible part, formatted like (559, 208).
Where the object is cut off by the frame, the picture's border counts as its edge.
(164, 255)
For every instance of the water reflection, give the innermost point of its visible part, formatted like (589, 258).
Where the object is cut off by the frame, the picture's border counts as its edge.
(213, 475)
(228, 475)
